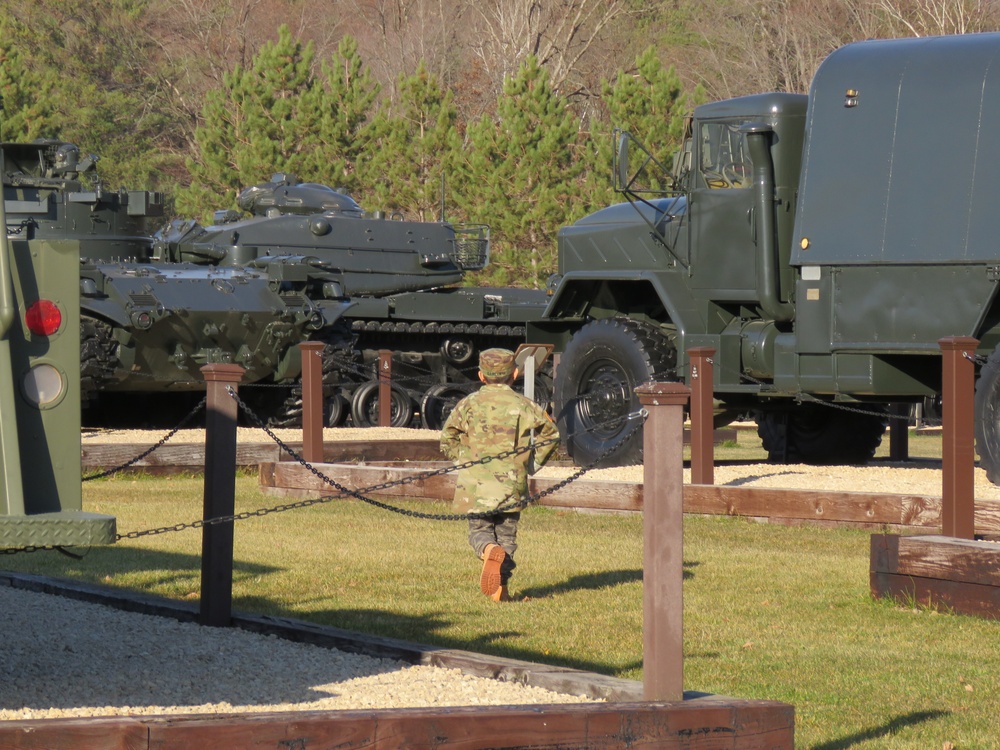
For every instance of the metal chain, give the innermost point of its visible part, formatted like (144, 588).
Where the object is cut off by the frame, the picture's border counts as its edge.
(360, 494)
(800, 397)
(160, 443)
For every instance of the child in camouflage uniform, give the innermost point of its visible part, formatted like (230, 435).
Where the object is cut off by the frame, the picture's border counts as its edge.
(493, 420)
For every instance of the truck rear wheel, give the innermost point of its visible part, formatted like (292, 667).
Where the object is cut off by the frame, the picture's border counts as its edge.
(595, 387)
(988, 417)
(816, 434)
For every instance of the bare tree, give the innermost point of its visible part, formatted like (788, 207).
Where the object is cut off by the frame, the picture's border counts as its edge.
(929, 17)
(395, 36)
(748, 46)
(559, 33)
(203, 40)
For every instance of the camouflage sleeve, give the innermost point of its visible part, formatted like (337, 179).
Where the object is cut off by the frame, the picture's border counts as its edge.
(453, 435)
(545, 431)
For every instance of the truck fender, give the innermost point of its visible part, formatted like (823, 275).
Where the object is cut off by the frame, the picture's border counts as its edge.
(629, 292)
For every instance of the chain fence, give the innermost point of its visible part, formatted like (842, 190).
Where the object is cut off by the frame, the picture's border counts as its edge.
(370, 372)
(637, 418)
(800, 398)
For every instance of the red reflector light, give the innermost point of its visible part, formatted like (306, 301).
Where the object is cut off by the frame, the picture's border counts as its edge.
(43, 318)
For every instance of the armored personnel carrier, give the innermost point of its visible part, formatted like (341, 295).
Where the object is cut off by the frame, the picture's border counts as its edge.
(147, 324)
(403, 279)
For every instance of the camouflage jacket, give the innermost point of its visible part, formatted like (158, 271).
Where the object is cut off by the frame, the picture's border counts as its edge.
(492, 420)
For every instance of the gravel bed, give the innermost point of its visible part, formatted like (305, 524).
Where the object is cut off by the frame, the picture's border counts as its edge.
(63, 657)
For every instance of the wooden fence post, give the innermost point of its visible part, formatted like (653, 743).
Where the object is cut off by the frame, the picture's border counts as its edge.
(312, 400)
(384, 388)
(220, 494)
(663, 540)
(702, 429)
(899, 432)
(958, 465)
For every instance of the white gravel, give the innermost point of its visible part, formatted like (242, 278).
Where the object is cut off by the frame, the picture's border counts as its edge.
(918, 477)
(63, 657)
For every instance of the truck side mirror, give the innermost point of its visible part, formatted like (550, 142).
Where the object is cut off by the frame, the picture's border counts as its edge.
(622, 174)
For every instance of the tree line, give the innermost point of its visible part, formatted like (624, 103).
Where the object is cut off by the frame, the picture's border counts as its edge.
(486, 111)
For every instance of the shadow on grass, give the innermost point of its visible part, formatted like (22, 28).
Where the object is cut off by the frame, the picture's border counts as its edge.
(594, 581)
(890, 727)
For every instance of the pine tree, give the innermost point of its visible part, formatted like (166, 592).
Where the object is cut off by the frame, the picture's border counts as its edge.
(263, 120)
(78, 72)
(412, 149)
(28, 96)
(521, 177)
(345, 132)
(651, 104)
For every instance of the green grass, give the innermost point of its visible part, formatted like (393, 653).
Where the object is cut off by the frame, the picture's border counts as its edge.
(771, 612)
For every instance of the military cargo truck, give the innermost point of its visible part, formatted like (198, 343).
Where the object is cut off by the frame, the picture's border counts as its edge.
(821, 244)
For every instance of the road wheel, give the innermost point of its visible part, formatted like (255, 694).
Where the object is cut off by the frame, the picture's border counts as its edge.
(337, 410)
(595, 387)
(817, 434)
(365, 406)
(438, 402)
(988, 417)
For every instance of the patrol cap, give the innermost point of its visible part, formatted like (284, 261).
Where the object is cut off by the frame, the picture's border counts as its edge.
(496, 364)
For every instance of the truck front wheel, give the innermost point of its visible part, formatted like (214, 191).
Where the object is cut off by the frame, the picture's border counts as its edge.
(818, 434)
(988, 417)
(595, 388)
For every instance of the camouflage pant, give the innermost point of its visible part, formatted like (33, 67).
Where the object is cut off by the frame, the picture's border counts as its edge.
(497, 529)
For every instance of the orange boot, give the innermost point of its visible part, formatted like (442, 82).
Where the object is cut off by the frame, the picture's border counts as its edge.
(490, 582)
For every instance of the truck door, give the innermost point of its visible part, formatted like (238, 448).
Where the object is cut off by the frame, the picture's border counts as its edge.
(720, 213)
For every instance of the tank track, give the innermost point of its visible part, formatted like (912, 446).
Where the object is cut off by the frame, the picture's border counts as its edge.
(98, 358)
(433, 328)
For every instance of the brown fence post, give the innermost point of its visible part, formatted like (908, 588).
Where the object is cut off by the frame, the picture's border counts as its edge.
(663, 541)
(384, 388)
(899, 432)
(702, 431)
(219, 495)
(312, 400)
(958, 465)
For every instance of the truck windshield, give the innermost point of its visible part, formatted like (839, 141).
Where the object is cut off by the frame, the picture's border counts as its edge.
(724, 161)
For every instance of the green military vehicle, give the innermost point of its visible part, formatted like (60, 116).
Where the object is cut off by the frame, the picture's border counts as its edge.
(404, 282)
(40, 494)
(147, 325)
(821, 244)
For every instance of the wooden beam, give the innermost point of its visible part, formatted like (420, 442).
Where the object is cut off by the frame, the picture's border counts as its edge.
(701, 724)
(865, 509)
(959, 575)
(191, 456)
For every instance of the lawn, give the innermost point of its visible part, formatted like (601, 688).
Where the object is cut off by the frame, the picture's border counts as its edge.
(771, 612)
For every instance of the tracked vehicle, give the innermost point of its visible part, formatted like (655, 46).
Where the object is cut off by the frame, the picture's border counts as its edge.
(403, 280)
(147, 326)
(821, 244)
